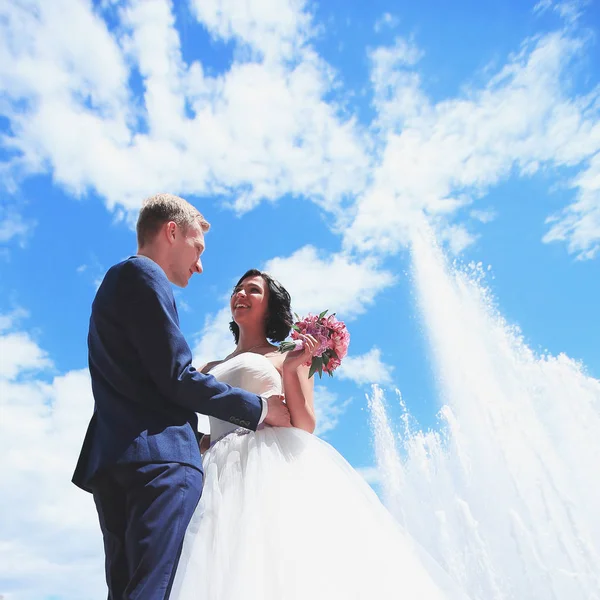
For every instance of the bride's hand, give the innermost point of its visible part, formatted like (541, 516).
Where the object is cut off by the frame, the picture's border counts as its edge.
(204, 443)
(297, 358)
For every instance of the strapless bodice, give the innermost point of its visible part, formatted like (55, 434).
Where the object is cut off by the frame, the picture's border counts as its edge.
(250, 371)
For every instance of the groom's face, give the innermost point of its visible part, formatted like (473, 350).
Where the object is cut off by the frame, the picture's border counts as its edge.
(186, 249)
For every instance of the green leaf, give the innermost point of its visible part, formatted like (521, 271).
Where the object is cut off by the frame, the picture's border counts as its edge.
(297, 317)
(296, 328)
(332, 353)
(323, 313)
(321, 370)
(286, 346)
(316, 365)
(325, 358)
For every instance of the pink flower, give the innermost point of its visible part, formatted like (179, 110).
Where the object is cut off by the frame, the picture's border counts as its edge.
(333, 338)
(310, 326)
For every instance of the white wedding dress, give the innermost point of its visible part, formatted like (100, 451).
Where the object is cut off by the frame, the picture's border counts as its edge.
(284, 517)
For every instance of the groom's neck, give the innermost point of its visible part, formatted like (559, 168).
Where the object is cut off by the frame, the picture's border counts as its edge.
(154, 255)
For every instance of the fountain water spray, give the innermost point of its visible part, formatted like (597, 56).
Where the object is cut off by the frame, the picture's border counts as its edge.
(507, 496)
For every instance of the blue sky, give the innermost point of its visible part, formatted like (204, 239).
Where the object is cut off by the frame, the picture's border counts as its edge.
(315, 138)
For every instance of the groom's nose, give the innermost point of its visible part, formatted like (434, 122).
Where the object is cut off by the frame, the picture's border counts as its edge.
(198, 266)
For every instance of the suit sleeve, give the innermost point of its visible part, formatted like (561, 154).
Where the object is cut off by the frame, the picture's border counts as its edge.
(152, 325)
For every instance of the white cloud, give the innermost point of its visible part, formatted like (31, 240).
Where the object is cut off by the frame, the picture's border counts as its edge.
(483, 216)
(569, 10)
(387, 20)
(182, 303)
(328, 409)
(257, 131)
(457, 237)
(579, 223)
(435, 158)
(50, 543)
(337, 282)
(61, 90)
(215, 341)
(387, 59)
(395, 87)
(542, 6)
(13, 227)
(275, 29)
(371, 475)
(12, 319)
(92, 271)
(270, 126)
(365, 369)
(19, 353)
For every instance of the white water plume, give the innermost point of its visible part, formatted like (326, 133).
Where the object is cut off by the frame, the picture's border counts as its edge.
(507, 496)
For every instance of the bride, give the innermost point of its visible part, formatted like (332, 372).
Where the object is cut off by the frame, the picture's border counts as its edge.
(283, 516)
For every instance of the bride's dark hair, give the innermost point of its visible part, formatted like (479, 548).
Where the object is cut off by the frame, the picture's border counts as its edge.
(279, 313)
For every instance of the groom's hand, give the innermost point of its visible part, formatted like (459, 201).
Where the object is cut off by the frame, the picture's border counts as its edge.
(278, 414)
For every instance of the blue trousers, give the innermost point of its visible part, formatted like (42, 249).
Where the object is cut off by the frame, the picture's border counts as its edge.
(144, 510)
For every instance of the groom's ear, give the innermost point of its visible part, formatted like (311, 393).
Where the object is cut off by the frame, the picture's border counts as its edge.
(169, 230)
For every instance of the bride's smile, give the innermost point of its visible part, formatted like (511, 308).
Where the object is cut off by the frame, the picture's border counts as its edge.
(250, 298)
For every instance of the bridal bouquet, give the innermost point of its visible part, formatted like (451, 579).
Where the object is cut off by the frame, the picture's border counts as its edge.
(333, 338)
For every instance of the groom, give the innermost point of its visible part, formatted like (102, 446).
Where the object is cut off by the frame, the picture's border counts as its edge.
(140, 458)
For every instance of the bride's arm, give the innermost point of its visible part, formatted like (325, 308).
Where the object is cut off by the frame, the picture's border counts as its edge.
(298, 390)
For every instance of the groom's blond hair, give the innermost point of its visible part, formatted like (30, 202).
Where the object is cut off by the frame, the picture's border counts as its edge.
(162, 208)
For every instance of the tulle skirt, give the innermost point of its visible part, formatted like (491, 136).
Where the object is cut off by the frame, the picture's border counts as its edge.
(284, 517)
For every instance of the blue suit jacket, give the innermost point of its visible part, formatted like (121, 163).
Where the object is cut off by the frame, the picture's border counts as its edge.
(146, 390)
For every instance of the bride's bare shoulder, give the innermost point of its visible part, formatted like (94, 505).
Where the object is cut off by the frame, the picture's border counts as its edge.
(208, 366)
(276, 358)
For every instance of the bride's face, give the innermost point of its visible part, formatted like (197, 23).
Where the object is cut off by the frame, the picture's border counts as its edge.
(249, 301)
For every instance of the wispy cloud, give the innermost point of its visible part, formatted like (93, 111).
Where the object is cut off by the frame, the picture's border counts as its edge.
(457, 237)
(436, 158)
(215, 341)
(19, 353)
(92, 270)
(274, 30)
(271, 126)
(334, 281)
(569, 10)
(372, 475)
(329, 409)
(13, 227)
(578, 225)
(258, 131)
(50, 543)
(483, 215)
(387, 20)
(12, 319)
(366, 369)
